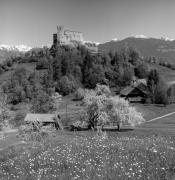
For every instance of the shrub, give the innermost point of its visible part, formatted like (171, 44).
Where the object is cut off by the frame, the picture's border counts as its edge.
(35, 132)
(79, 94)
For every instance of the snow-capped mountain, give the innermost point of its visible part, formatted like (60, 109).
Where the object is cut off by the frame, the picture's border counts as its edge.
(115, 39)
(141, 36)
(167, 39)
(146, 37)
(20, 48)
(91, 42)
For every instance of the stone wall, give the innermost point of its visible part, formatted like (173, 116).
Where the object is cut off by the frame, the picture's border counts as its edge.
(72, 38)
(66, 37)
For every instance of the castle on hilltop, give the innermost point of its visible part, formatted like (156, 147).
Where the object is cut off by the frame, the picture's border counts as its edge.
(67, 37)
(72, 38)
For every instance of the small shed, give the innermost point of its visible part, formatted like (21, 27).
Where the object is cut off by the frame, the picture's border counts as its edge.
(45, 119)
(135, 93)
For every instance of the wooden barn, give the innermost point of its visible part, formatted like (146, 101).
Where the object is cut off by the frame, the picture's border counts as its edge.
(45, 119)
(135, 93)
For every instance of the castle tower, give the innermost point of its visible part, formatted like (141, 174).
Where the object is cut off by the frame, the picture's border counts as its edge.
(55, 40)
(60, 34)
(72, 39)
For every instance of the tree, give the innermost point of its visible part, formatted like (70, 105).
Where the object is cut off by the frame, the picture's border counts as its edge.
(121, 112)
(49, 76)
(127, 76)
(134, 56)
(111, 54)
(102, 109)
(66, 85)
(42, 103)
(171, 93)
(96, 111)
(161, 95)
(152, 83)
(4, 111)
(157, 88)
(94, 76)
(57, 67)
(141, 71)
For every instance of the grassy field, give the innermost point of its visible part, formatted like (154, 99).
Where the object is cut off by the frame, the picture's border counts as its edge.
(166, 73)
(144, 152)
(150, 111)
(163, 127)
(74, 109)
(86, 155)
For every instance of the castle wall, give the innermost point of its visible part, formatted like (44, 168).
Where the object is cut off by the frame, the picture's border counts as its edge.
(67, 37)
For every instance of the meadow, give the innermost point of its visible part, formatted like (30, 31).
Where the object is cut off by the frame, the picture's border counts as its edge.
(145, 152)
(91, 157)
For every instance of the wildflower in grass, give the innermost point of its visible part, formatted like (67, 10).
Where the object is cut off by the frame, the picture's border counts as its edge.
(93, 158)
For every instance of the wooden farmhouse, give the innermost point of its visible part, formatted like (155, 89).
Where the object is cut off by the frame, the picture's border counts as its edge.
(135, 93)
(45, 119)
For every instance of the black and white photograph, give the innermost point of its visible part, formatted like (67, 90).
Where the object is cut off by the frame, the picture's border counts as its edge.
(87, 89)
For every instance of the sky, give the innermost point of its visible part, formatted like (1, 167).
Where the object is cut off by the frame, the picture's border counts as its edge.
(33, 22)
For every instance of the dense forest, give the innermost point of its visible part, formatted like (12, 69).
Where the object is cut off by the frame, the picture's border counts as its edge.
(63, 69)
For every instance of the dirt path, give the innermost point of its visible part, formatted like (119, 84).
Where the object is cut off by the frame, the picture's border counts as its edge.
(160, 117)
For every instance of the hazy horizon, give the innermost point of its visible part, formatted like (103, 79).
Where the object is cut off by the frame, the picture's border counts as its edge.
(32, 22)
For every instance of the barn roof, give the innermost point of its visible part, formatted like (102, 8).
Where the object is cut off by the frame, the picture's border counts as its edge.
(40, 117)
(126, 90)
(140, 86)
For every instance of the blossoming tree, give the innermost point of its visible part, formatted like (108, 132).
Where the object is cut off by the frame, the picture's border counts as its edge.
(102, 108)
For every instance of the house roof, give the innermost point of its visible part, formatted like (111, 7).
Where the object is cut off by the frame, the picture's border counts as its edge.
(126, 90)
(140, 86)
(40, 117)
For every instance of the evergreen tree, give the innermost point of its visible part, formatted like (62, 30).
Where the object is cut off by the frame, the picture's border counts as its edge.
(152, 83)
(141, 71)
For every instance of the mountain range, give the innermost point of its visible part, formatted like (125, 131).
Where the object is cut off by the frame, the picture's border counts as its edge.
(20, 48)
(163, 48)
(7, 51)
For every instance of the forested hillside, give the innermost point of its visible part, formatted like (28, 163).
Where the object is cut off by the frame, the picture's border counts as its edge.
(65, 69)
(148, 47)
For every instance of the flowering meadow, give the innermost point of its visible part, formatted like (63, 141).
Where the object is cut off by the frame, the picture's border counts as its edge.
(94, 157)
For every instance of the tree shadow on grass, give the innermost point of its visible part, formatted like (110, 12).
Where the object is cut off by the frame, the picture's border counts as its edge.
(116, 130)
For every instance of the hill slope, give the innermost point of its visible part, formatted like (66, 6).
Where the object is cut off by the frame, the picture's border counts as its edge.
(159, 48)
(7, 51)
